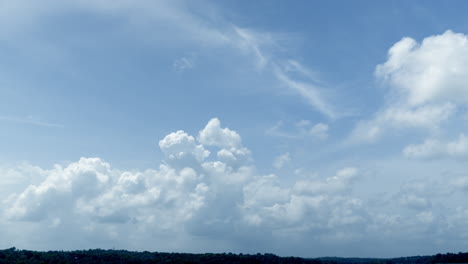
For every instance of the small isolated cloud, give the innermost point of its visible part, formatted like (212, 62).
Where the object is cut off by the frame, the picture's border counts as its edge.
(320, 131)
(282, 160)
(184, 64)
(433, 148)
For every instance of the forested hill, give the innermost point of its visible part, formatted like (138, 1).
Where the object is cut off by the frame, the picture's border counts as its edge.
(13, 255)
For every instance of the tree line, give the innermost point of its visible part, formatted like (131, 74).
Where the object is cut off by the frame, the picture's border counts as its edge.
(98, 256)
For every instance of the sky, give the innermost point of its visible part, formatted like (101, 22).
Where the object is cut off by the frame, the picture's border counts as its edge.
(304, 128)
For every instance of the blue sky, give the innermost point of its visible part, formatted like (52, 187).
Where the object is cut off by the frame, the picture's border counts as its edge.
(309, 128)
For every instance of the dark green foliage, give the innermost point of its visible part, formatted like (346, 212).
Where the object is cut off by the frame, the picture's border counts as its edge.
(94, 256)
(122, 256)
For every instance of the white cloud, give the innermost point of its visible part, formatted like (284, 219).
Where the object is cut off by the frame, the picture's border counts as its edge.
(277, 131)
(460, 183)
(282, 160)
(399, 117)
(310, 92)
(252, 41)
(214, 135)
(433, 148)
(90, 193)
(179, 23)
(91, 189)
(206, 198)
(309, 206)
(181, 147)
(232, 152)
(338, 183)
(426, 84)
(85, 178)
(434, 71)
(295, 66)
(320, 131)
(301, 130)
(30, 120)
(221, 198)
(183, 64)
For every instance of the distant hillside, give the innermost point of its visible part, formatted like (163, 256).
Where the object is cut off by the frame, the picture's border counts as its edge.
(13, 255)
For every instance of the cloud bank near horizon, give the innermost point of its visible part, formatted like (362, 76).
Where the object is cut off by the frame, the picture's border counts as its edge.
(208, 189)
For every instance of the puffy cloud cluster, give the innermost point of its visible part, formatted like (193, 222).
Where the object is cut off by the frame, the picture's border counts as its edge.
(212, 197)
(204, 194)
(180, 147)
(306, 202)
(427, 83)
(434, 71)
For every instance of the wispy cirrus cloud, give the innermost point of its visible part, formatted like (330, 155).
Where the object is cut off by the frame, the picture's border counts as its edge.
(30, 120)
(189, 24)
(300, 130)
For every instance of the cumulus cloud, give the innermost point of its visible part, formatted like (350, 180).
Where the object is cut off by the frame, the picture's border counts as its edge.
(220, 198)
(181, 147)
(232, 152)
(324, 207)
(426, 84)
(85, 178)
(436, 70)
(189, 189)
(214, 135)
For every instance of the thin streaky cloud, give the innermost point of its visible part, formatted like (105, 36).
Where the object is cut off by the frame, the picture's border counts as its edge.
(309, 92)
(30, 121)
